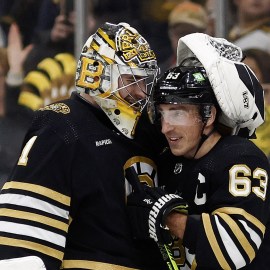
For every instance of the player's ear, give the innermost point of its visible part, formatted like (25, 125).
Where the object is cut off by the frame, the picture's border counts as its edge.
(212, 118)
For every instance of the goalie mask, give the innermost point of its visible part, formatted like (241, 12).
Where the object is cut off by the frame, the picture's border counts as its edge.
(182, 85)
(113, 60)
(237, 90)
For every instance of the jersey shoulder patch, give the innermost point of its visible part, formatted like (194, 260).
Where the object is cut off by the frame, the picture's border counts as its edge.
(57, 107)
(58, 118)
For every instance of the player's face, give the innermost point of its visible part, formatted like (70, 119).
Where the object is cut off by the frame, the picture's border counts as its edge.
(182, 127)
(133, 88)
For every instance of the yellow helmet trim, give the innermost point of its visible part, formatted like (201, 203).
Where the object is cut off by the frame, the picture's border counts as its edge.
(107, 39)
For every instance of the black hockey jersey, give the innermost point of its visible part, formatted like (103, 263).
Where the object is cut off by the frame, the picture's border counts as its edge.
(229, 206)
(65, 201)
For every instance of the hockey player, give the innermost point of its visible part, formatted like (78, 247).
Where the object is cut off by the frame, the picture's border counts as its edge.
(64, 205)
(221, 176)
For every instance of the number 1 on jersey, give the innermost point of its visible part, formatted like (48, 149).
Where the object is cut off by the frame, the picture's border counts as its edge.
(24, 156)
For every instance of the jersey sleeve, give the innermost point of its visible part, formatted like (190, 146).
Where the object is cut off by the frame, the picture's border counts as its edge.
(35, 201)
(229, 233)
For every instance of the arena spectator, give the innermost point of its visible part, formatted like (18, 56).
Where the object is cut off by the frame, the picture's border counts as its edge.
(252, 26)
(185, 18)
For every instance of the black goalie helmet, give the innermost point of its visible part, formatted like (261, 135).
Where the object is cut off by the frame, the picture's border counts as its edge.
(182, 85)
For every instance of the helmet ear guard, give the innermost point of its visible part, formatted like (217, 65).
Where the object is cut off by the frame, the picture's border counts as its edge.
(206, 112)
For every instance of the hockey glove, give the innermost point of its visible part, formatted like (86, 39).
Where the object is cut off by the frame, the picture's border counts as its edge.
(148, 209)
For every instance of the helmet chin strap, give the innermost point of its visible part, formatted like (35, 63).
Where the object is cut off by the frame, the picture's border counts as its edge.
(204, 137)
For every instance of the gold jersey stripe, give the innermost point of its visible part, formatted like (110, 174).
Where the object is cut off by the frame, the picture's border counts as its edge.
(38, 80)
(81, 264)
(39, 190)
(52, 67)
(239, 235)
(30, 100)
(68, 61)
(34, 217)
(213, 242)
(242, 212)
(106, 38)
(33, 246)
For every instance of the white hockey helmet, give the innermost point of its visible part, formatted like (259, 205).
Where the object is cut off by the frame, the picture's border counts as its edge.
(115, 50)
(237, 89)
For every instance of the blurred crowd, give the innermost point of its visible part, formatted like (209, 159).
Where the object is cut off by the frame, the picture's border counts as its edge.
(37, 62)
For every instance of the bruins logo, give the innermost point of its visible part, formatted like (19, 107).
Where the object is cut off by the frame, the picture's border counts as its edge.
(57, 107)
(146, 170)
(133, 45)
